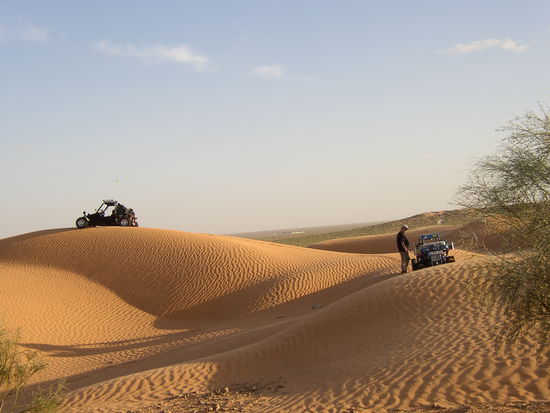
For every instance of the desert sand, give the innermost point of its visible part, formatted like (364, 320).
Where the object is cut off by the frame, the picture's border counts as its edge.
(134, 317)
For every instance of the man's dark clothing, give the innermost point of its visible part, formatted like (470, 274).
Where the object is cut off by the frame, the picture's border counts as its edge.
(402, 238)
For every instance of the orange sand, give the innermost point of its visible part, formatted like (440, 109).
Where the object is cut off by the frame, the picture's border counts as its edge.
(131, 316)
(491, 237)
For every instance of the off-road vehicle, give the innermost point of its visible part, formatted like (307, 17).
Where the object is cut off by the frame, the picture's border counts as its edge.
(431, 250)
(104, 216)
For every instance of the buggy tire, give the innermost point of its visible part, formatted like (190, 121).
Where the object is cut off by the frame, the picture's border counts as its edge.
(450, 258)
(416, 265)
(124, 222)
(81, 223)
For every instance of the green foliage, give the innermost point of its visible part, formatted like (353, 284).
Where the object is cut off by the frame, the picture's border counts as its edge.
(17, 366)
(513, 187)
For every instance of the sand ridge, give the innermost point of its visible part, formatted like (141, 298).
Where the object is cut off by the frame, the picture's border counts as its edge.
(134, 316)
(476, 234)
(183, 271)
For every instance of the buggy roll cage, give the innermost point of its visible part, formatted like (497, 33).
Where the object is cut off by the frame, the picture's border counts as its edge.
(108, 203)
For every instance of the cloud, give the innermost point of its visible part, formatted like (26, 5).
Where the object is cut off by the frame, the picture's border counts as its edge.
(30, 33)
(478, 45)
(177, 54)
(269, 72)
(34, 34)
(278, 72)
(308, 79)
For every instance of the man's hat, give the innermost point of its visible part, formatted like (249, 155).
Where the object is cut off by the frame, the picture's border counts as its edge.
(405, 227)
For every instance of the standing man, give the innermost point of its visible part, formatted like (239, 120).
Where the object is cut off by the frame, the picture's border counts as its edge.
(403, 247)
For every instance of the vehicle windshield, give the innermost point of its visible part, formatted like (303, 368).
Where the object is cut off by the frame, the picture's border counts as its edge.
(103, 208)
(429, 238)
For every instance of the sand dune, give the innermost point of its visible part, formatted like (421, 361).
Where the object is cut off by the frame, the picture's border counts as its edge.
(484, 236)
(134, 316)
(180, 275)
(385, 243)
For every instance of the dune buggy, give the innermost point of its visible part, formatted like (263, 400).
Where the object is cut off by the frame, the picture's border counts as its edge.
(104, 216)
(430, 251)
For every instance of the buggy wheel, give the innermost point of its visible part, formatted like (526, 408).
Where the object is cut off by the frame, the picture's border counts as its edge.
(81, 223)
(417, 265)
(124, 222)
(450, 258)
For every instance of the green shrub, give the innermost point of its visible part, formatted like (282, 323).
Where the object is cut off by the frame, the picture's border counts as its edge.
(17, 366)
(513, 188)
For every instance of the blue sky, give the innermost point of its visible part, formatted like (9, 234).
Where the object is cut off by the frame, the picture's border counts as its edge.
(233, 116)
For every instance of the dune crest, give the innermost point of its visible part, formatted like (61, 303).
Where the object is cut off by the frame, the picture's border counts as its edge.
(177, 275)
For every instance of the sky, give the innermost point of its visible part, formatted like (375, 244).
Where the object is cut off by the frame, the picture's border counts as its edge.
(234, 116)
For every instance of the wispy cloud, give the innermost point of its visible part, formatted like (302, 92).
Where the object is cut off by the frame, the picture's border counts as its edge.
(269, 72)
(176, 54)
(478, 45)
(308, 79)
(27, 33)
(276, 72)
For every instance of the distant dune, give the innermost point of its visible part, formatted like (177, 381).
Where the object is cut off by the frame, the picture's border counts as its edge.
(275, 235)
(484, 236)
(134, 316)
(383, 244)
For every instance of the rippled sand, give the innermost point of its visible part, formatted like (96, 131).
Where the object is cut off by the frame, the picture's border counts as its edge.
(132, 316)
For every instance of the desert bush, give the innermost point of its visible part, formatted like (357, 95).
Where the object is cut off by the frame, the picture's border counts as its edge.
(513, 187)
(46, 401)
(17, 366)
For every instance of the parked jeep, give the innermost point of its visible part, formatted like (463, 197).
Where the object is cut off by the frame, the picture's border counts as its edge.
(431, 250)
(104, 216)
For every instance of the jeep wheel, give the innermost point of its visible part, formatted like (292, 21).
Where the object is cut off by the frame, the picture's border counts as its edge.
(417, 265)
(124, 222)
(81, 223)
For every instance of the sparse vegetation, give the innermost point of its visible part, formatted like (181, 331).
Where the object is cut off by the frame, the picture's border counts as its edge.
(455, 217)
(512, 187)
(46, 401)
(17, 366)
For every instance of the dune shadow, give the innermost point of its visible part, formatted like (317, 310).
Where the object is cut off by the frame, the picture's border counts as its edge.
(88, 349)
(116, 273)
(215, 310)
(240, 334)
